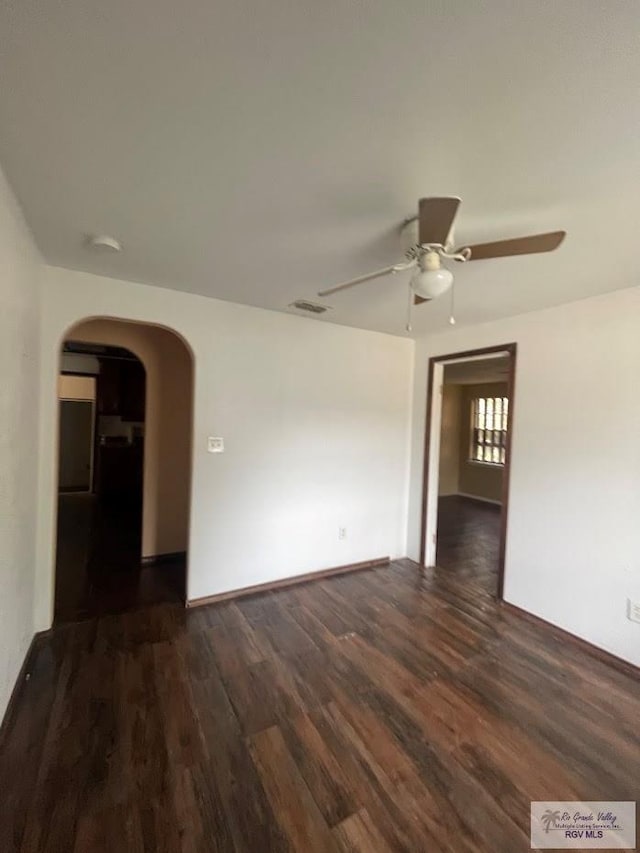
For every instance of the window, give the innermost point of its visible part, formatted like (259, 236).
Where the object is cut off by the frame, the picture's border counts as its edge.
(489, 429)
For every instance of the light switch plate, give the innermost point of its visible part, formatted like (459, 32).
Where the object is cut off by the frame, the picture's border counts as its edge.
(215, 444)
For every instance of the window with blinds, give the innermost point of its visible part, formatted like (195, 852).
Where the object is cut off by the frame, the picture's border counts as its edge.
(489, 430)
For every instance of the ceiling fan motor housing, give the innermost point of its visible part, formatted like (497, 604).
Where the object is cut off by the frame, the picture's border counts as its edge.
(430, 261)
(410, 238)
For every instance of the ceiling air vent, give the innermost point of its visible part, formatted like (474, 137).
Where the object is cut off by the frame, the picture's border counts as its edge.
(312, 307)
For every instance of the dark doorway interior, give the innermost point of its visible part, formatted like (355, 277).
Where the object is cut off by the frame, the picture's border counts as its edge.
(98, 558)
(76, 445)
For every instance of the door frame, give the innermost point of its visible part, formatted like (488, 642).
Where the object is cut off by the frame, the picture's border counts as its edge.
(429, 519)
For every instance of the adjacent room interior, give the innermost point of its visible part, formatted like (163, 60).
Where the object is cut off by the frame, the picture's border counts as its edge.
(319, 412)
(473, 447)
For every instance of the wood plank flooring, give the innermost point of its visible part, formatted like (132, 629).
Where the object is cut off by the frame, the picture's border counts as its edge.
(384, 710)
(98, 569)
(469, 540)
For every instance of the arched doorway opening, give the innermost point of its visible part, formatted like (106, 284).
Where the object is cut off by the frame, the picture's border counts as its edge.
(125, 401)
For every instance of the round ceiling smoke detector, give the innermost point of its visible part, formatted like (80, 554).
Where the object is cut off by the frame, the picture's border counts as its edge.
(103, 242)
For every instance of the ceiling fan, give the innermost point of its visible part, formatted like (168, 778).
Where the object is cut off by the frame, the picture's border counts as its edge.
(428, 239)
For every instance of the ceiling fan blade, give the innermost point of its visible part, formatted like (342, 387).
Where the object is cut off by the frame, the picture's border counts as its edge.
(435, 218)
(418, 300)
(518, 246)
(368, 277)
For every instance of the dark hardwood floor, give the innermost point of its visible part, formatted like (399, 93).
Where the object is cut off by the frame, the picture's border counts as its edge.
(469, 540)
(98, 568)
(382, 710)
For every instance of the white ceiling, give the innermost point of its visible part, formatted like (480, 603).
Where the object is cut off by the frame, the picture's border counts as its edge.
(260, 152)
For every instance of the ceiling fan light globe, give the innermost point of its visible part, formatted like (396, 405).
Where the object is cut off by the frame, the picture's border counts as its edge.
(430, 284)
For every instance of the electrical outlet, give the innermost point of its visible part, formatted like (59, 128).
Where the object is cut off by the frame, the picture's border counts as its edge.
(342, 533)
(633, 610)
(215, 444)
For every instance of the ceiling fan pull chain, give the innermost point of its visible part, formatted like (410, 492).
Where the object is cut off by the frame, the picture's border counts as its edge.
(409, 307)
(452, 311)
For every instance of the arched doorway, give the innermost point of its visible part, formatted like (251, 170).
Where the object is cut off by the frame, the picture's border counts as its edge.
(123, 526)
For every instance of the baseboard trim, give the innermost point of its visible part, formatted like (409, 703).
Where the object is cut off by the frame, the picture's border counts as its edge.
(602, 655)
(478, 498)
(13, 699)
(284, 582)
(158, 559)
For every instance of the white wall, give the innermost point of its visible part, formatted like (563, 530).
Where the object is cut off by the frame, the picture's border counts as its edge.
(19, 270)
(315, 418)
(573, 546)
